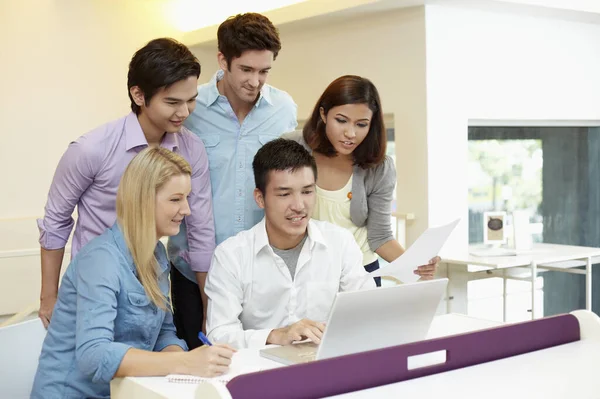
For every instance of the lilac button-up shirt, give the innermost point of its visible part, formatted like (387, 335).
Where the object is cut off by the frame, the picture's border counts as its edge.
(88, 177)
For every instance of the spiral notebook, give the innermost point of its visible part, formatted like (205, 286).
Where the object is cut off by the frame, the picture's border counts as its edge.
(235, 369)
(244, 361)
(192, 379)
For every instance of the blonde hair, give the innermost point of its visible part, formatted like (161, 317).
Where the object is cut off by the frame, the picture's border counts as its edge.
(136, 203)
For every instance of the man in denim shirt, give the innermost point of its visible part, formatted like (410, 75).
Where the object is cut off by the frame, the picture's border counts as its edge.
(236, 113)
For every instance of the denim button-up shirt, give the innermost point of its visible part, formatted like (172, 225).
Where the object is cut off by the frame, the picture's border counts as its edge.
(102, 310)
(231, 147)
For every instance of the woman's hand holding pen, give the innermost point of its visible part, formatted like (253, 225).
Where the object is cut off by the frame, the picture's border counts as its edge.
(208, 361)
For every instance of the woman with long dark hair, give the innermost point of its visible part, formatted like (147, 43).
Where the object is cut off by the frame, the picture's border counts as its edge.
(356, 179)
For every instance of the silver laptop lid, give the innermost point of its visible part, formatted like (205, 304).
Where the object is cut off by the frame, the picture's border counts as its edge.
(381, 317)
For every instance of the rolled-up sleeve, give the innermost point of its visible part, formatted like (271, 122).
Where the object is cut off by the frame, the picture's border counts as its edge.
(168, 335)
(74, 174)
(379, 204)
(96, 353)
(225, 296)
(200, 223)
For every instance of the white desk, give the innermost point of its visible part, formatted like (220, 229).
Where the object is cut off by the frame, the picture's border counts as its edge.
(564, 258)
(160, 388)
(565, 371)
(249, 360)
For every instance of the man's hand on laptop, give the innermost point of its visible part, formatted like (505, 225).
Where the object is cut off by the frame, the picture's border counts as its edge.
(299, 331)
(427, 272)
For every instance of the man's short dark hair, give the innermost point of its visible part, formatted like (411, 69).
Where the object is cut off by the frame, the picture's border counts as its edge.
(249, 31)
(159, 64)
(280, 154)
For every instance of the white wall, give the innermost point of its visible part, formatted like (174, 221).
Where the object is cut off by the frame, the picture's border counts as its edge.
(500, 66)
(515, 66)
(64, 72)
(207, 55)
(578, 5)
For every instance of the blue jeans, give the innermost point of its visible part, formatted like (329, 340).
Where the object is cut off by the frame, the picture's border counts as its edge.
(371, 267)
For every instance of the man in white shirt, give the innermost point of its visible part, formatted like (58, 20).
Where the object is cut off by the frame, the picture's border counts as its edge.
(275, 283)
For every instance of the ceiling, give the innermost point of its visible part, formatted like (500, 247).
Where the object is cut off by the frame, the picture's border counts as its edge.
(311, 13)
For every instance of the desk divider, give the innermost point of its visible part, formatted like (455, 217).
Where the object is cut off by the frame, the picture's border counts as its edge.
(370, 369)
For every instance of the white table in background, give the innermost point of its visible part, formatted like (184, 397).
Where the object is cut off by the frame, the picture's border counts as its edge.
(564, 258)
(249, 359)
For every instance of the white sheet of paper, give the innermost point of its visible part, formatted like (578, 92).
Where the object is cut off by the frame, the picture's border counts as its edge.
(426, 247)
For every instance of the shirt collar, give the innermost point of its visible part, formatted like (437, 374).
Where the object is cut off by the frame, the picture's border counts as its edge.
(159, 252)
(315, 234)
(213, 94)
(261, 239)
(134, 135)
(265, 95)
(170, 141)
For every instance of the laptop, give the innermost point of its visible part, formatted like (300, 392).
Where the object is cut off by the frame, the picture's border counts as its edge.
(369, 319)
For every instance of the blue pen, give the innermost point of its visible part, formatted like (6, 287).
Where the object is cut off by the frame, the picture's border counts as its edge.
(204, 339)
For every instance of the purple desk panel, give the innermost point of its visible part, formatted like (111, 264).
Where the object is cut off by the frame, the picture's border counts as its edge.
(386, 366)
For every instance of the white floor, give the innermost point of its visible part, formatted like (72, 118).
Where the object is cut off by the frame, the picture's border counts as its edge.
(485, 299)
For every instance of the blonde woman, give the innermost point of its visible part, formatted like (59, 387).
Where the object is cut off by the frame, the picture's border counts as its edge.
(112, 317)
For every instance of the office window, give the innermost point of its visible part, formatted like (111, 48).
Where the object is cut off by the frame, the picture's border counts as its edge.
(505, 175)
(554, 173)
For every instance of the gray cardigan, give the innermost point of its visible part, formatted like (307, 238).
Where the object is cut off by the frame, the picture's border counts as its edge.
(371, 201)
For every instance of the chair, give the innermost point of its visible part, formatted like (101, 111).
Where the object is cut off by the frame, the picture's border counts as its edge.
(20, 348)
(22, 315)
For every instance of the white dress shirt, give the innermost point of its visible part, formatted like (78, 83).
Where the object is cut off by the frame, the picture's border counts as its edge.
(251, 291)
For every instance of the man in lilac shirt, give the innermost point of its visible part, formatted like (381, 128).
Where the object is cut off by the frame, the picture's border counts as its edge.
(162, 82)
